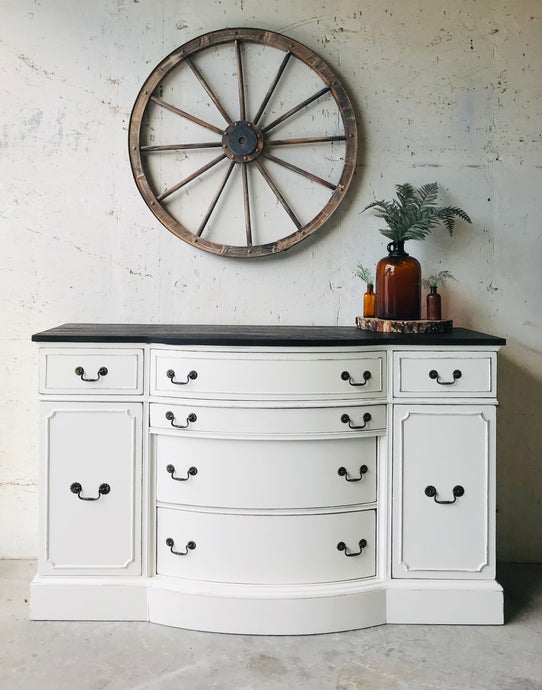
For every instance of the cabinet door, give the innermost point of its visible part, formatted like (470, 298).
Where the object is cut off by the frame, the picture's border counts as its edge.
(91, 493)
(444, 500)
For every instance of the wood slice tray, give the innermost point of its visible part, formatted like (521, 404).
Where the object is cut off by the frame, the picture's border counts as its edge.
(392, 326)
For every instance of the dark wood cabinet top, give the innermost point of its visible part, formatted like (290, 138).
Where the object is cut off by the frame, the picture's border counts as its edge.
(175, 334)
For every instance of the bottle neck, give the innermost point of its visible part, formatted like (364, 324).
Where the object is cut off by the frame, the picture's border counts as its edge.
(432, 289)
(370, 288)
(397, 248)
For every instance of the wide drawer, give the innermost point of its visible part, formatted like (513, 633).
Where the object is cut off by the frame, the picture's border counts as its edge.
(446, 374)
(261, 421)
(96, 370)
(249, 473)
(266, 549)
(267, 375)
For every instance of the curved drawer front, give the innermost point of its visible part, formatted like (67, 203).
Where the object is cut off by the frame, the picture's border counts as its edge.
(267, 375)
(194, 419)
(261, 549)
(239, 473)
(449, 374)
(84, 371)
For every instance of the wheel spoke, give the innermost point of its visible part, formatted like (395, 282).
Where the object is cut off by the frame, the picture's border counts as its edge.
(297, 108)
(300, 171)
(181, 147)
(208, 89)
(248, 225)
(267, 177)
(271, 89)
(214, 201)
(182, 113)
(191, 177)
(240, 81)
(304, 140)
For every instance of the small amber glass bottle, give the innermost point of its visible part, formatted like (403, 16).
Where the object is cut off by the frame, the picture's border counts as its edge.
(433, 304)
(369, 299)
(398, 285)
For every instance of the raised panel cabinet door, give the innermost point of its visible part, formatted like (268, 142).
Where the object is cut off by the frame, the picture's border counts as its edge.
(444, 502)
(91, 488)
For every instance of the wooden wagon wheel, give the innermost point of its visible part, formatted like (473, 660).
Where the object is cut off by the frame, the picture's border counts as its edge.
(245, 140)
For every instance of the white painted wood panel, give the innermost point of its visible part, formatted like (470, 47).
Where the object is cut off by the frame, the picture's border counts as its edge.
(124, 371)
(272, 549)
(267, 375)
(91, 444)
(444, 446)
(262, 421)
(245, 473)
(477, 374)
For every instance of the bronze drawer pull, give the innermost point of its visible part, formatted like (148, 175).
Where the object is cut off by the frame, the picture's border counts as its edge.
(345, 419)
(103, 489)
(102, 371)
(342, 547)
(433, 374)
(190, 546)
(346, 377)
(171, 418)
(190, 377)
(192, 471)
(343, 472)
(431, 492)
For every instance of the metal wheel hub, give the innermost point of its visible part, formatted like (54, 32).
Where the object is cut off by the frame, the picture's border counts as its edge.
(242, 141)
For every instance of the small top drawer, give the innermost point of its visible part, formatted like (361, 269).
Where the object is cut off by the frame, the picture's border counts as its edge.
(267, 375)
(445, 374)
(96, 370)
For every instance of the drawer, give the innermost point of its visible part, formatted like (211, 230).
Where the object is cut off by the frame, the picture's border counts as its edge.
(265, 549)
(95, 370)
(267, 375)
(446, 374)
(265, 474)
(196, 419)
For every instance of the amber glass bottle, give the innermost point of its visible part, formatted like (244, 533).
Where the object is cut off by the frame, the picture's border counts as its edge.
(398, 285)
(369, 299)
(433, 304)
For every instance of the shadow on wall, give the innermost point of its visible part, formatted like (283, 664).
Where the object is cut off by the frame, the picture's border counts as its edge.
(519, 463)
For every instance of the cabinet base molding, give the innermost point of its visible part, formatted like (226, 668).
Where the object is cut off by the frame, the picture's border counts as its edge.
(266, 610)
(88, 599)
(446, 603)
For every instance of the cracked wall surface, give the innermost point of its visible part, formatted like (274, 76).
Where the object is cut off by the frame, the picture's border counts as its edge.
(444, 91)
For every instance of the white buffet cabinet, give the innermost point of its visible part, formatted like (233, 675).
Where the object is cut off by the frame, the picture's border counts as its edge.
(269, 480)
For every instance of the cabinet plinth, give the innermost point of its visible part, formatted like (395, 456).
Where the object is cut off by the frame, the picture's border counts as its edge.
(312, 481)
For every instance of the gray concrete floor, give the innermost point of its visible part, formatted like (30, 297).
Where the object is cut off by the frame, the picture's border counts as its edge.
(142, 656)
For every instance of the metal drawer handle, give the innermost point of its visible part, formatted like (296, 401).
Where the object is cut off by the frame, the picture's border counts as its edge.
(171, 418)
(345, 419)
(346, 377)
(343, 472)
(457, 491)
(102, 371)
(192, 471)
(190, 377)
(190, 546)
(103, 489)
(433, 374)
(342, 547)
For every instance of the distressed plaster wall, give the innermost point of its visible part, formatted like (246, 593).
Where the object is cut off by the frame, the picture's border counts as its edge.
(446, 91)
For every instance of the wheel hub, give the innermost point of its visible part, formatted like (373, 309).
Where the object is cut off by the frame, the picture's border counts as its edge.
(242, 141)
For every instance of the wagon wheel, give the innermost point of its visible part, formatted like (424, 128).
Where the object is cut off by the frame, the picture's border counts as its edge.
(244, 144)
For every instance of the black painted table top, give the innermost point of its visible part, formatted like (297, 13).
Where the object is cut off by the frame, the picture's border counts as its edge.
(176, 334)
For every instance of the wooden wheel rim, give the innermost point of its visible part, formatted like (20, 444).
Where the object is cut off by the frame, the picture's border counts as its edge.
(274, 40)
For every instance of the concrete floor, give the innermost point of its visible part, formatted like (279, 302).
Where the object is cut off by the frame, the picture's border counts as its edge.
(142, 656)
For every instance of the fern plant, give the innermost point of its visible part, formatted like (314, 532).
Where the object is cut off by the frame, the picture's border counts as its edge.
(365, 274)
(437, 279)
(414, 214)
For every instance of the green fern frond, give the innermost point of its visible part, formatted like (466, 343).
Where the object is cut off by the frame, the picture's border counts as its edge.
(365, 274)
(437, 279)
